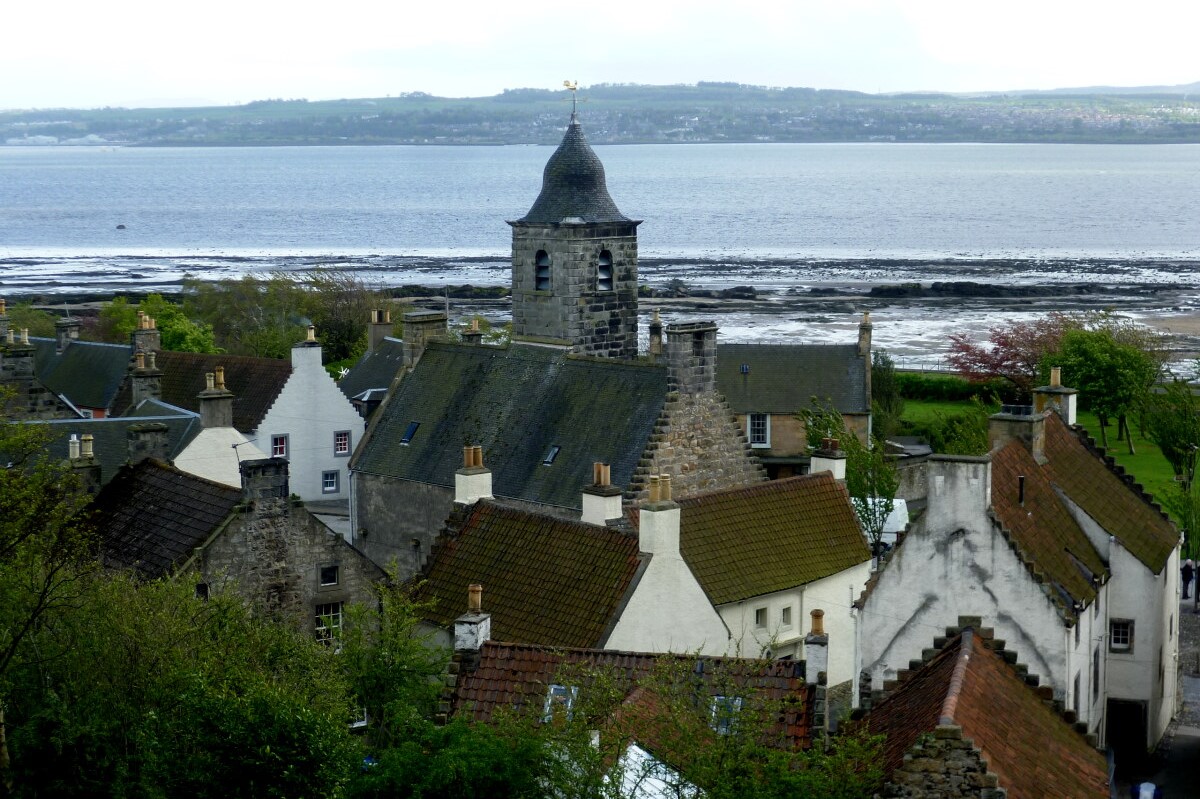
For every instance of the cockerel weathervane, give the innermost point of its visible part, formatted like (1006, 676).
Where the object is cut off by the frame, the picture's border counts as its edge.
(573, 87)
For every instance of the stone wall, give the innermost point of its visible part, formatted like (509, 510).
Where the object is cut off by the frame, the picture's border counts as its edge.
(396, 521)
(698, 442)
(944, 765)
(31, 400)
(574, 311)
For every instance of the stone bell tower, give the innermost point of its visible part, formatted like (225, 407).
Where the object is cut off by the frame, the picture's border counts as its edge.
(574, 259)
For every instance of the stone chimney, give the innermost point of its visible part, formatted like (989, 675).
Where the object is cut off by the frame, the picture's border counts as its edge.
(816, 650)
(84, 462)
(473, 481)
(379, 328)
(146, 380)
(3, 320)
(420, 328)
(473, 335)
(149, 440)
(656, 337)
(1056, 397)
(864, 352)
(66, 330)
(829, 458)
(216, 401)
(265, 486)
(692, 357)
(959, 493)
(658, 528)
(18, 361)
(306, 355)
(145, 336)
(472, 630)
(601, 501)
(1019, 423)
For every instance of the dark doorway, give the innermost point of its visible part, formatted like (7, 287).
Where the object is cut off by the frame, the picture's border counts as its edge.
(1127, 721)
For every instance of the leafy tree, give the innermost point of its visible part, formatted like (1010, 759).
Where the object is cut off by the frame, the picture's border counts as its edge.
(871, 476)
(1112, 377)
(961, 433)
(23, 316)
(1171, 420)
(1014, 352)
(179, 333)
(887, 404)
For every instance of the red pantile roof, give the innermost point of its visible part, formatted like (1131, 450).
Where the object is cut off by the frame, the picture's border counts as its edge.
(770, 536)
(1117, 505)
(1032, 750)
(517, 677)
(1042, 528)
(545, 580)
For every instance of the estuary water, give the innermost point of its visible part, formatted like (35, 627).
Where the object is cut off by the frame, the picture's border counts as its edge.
(785, 219)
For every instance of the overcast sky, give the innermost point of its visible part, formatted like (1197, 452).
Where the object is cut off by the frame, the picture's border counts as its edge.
(90, 53)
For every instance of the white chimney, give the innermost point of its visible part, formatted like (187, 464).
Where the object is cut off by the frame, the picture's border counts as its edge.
(474, 628)
(658, 529)
(1056, 397)
(828, 458)
(473, 481)
(816, 649)
(601, 501)
(306, 355)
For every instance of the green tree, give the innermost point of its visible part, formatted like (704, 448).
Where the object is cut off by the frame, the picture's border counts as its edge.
(179, 333)
(887, 405)
(1171, 419)
(23, 316)
(1113, 377)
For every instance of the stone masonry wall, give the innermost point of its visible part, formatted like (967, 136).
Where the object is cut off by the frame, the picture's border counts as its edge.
(943, 765)
(698, 442)
(574, 311)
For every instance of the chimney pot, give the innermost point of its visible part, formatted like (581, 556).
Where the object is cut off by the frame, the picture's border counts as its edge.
(219, 376)
(1056, 376)
(664, 484)
(312, 333)
(655, 491)
(468, 456)
(3, 307)
(818, 622)
(475, 598)
(10, 337)
(209, 381)
(73, 447)
(86, 450)
(152, 359)
(477, 456)
(24, 335)
(141, 359)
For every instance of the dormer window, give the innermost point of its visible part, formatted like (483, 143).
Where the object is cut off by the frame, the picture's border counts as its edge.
(604, 272)
(541, 271)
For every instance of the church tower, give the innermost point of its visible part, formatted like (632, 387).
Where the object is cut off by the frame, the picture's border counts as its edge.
(574, 259)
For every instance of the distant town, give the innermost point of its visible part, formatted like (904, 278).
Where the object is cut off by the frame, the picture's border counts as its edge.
(632, 114)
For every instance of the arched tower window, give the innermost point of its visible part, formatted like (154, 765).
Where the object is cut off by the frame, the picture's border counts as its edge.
(541, 271)
(604, 272)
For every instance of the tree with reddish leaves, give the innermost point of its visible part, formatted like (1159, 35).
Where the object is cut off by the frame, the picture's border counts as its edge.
(1013, 352)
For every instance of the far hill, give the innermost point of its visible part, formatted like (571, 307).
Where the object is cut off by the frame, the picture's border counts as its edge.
(629, 113)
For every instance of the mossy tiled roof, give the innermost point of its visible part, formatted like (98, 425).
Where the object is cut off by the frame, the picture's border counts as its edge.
(1042, 528)
(573, 186)
(545, 580)
(1032, 750)
(746, 542)
(151, 516)
(255, 383)
(87, 373)
(516, 677)
(375, 369)
(1118, 506)
(517, 402)
(783, 378)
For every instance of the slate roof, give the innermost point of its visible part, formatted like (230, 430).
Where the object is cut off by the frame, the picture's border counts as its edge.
(517, 676)
(1042, 528)
(746, 542)
(375, 369)
(517, 402)
(87, 373)
(255, 383)
(546, 580)
(783, 378)
(1030, 748)
(151, 516)
(111, 435)
(1120, 507)
(573, 186)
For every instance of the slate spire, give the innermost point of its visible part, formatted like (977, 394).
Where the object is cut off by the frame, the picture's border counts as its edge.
(573, 186)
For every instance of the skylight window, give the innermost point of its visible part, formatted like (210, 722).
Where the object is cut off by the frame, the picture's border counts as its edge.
(551, 455)
(725, 710)
(560, 699)
(409, 432)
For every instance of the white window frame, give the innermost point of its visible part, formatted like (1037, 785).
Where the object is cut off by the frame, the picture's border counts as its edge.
(1120, 636)
(757, 440)
(342, 452)
(328, 622)
(280, 445)
(559, 696)
(785, 616)
(760, 617)
(337, 574)
(337, 482)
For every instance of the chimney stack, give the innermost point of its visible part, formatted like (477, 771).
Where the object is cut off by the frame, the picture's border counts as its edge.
(146, 380)
(829, 458)
(658, 526)
(1056, 397)
(265, 486)
(656, 337)
(420, 328)
(84, 462)
(473, 481)
(145, 336)
(692, 357)
(66, 330)
(472, 629)
(864, 352)
(379, 328)
(473, 335)
(1019, 423)
(306, 355)
(148, 440)
(816, 650)
(3, 319)
(216, 401)
(601, 500)
(18, 360)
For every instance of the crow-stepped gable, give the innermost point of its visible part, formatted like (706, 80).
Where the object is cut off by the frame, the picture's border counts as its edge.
(574, 259)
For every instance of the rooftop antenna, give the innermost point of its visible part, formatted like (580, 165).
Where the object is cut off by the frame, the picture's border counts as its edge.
(573, 87)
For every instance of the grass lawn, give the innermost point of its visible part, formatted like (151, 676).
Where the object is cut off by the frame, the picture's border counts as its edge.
(922, 411)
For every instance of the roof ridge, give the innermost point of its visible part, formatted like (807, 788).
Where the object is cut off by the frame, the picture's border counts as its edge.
(1139, 490)
(764, 486)
(77, 341)
(694, 656)
(514, 512)
(950, 703)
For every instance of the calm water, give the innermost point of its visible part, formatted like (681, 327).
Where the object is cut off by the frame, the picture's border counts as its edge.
(740, 202)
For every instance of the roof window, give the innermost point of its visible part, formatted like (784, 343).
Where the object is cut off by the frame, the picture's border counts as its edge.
(409, 432)
(551, 455)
